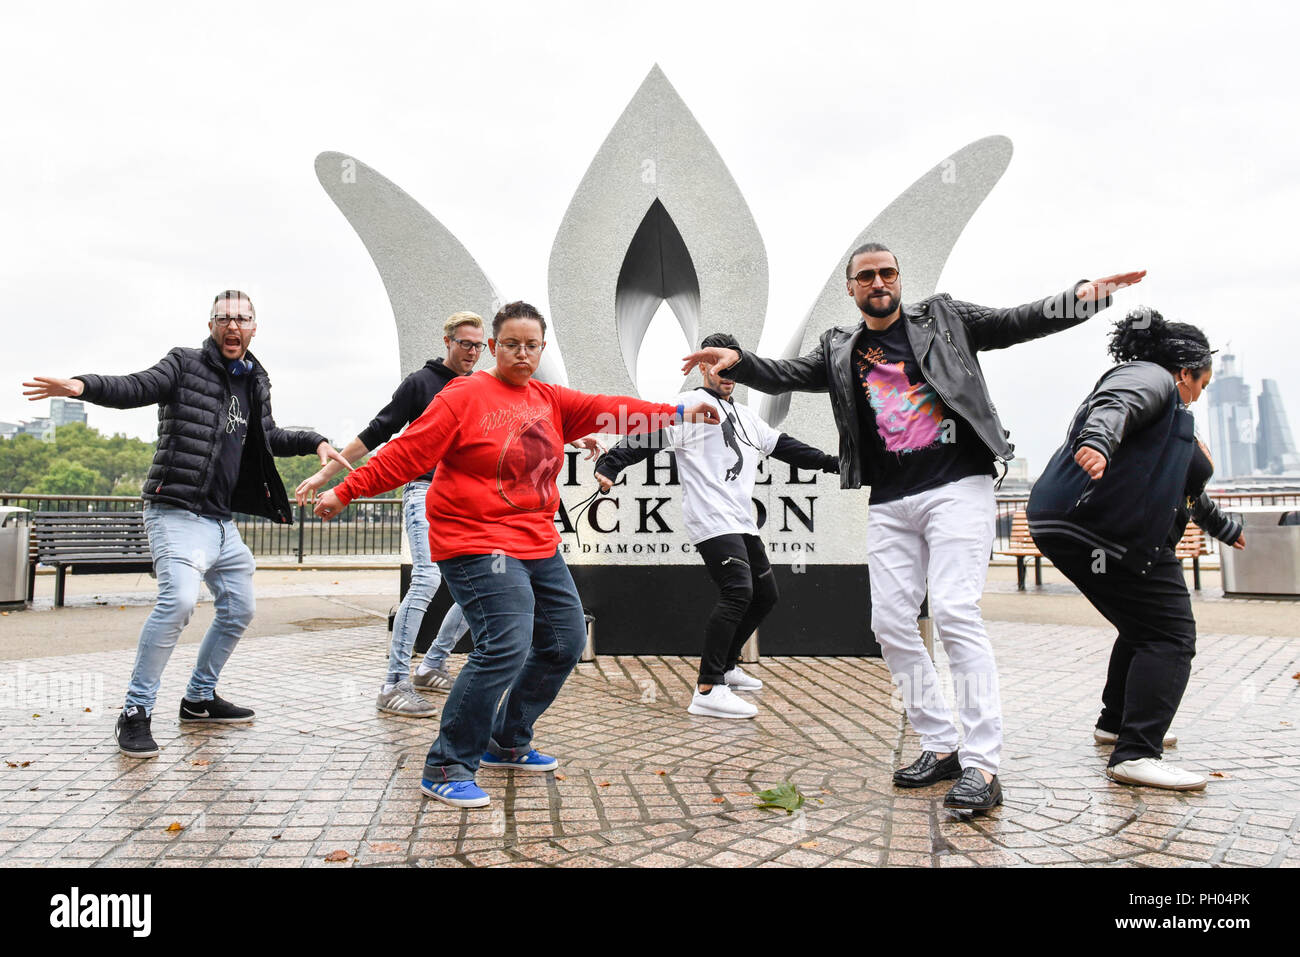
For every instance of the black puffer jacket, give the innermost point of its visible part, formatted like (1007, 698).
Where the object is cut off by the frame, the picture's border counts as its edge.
(192, 390)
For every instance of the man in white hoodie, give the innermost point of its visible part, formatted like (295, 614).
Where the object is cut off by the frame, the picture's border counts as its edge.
(718, 466)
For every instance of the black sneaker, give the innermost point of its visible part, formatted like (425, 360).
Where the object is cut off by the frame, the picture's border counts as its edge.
(216, 711)
(132, 733)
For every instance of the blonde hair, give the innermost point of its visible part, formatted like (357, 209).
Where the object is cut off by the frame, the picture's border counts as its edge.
(457, 319)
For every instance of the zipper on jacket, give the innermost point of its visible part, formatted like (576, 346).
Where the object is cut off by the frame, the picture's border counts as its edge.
(947, 334)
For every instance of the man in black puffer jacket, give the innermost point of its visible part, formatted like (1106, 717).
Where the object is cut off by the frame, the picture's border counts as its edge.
(216, 442)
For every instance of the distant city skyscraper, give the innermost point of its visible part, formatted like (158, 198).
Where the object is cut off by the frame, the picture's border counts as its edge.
(67, 411)
(1274, 448)
(1232, 421)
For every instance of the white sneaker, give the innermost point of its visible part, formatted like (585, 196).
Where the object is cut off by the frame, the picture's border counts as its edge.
(1154, 773)
(739, 681)
(721, 702)
(1110, 737)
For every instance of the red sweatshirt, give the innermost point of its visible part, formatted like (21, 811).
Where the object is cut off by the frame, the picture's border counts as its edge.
(497, 448)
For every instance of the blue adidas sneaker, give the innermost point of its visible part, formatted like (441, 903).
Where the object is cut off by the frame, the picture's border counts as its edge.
(456, 793)
(532, 761)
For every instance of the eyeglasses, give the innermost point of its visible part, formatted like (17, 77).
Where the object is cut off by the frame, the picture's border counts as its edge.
(469, 345)
(532, 348)
(243, 322)
(867, 276)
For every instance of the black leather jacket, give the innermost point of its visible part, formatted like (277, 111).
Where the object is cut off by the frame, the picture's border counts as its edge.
(191, 389)
(945, 334)
(1135, 418)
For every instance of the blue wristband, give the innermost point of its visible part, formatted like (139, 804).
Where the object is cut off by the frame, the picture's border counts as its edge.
(681, 412)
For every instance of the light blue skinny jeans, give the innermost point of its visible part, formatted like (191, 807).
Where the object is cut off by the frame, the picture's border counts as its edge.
(189, 548)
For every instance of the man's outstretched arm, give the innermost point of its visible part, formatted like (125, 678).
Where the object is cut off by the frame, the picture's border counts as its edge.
(147, 387)
(773, 376)
(790, 450)
(994, 328)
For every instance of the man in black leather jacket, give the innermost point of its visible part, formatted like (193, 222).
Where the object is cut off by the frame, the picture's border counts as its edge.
(917, 424)
(216, 443)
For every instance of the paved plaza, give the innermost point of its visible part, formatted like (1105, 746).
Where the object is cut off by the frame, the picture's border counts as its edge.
(323, 780)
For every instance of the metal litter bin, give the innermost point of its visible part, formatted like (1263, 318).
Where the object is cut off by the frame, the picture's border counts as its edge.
(1270, 563)
(15, 534)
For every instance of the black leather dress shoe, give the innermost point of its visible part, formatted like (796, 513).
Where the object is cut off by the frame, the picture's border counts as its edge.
(927, 769)
(971, 793)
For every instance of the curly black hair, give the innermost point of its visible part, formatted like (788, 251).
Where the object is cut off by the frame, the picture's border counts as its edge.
(1147, 336)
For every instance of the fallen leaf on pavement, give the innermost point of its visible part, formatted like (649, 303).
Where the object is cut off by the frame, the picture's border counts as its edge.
(201, 762)
(1219, 774)
(785, 796)
(175, 826)
(336, 855)
(719, 800)
(561, 777)
(87, 711)
(808, 844)
(661, 773)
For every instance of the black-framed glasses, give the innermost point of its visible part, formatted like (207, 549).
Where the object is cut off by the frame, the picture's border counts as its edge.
(867, 276)
(469, 345)
(243, 322)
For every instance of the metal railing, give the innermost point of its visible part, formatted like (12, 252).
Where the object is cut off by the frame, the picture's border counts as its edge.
(373, 526)
(1008, 505)
(370, 526)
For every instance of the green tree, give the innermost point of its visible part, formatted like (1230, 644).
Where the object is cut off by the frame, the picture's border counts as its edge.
(23, 460)
(65, 477)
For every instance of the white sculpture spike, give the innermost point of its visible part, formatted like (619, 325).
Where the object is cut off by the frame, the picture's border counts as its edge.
(426, 271)
(657, 217)
(921, 227)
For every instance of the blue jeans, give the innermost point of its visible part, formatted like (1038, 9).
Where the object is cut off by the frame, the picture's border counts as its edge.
(453, 626)
(425, 579)
(188, 548)
(528, 632)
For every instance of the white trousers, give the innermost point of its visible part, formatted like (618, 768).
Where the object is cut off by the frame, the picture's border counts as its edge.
(943, 535)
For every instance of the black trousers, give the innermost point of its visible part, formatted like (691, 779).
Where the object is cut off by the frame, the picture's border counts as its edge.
(746, 593)
(1152, 657)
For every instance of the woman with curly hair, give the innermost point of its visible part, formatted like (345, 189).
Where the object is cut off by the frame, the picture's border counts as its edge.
(1108, 510)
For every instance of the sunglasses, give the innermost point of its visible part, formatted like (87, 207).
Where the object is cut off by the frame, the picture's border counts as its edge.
(867, 276)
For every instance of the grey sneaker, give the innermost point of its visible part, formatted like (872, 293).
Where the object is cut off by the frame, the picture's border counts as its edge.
(437, 680)
(403, 701)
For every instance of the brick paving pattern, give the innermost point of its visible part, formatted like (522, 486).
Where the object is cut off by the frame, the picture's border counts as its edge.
(321, 774)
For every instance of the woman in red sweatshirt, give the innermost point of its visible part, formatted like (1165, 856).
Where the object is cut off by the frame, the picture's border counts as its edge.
(497, 440)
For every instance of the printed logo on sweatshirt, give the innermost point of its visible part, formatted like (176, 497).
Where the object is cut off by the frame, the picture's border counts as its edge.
(235, 419)
(531, 458)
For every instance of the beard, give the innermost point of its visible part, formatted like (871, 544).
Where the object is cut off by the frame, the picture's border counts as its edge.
(878, 308)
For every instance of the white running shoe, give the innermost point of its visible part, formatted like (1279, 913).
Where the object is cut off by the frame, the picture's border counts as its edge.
(737, 680)
(1154, 773)
(721, 702)
(1110, 737)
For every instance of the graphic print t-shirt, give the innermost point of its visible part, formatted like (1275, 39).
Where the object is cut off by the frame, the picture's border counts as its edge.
(717, 464)
(231, 435)
(498, 449)
(917, 442)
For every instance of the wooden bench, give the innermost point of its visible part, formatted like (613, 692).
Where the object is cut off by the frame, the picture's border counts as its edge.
(1021, 545)
(87, 543)
(1192, 545)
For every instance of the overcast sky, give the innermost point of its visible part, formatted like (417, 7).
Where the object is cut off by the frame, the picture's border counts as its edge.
(153, 155)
